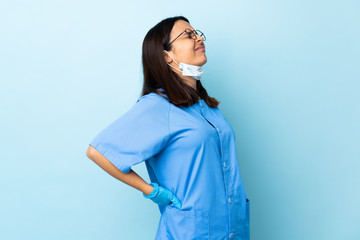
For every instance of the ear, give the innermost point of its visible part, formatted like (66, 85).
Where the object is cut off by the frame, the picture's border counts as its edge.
(167, 57)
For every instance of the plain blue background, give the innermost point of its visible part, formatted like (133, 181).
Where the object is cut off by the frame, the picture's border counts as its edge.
(286, 73)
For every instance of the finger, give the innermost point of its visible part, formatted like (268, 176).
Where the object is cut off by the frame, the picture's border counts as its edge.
(176, 201)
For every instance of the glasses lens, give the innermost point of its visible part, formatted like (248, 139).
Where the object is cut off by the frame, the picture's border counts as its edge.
(201, 34)
(191, 34)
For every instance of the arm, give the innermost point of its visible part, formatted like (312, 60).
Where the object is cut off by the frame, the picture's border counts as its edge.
(131, 178)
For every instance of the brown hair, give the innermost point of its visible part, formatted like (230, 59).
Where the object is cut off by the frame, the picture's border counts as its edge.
(157, 74)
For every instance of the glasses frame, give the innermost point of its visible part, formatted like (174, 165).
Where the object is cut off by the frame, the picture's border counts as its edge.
(193, 31)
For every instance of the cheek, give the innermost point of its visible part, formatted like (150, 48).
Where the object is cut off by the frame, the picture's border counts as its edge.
(192, 55)
(187, 51)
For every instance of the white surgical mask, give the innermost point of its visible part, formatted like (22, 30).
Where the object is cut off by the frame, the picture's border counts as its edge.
(188, 69)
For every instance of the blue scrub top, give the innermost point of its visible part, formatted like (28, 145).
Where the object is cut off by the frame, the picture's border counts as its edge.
(190, 151)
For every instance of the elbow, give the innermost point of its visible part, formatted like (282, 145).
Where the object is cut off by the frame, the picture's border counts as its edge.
(89, 152)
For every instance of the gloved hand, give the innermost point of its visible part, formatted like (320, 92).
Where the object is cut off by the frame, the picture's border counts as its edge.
(163, 196)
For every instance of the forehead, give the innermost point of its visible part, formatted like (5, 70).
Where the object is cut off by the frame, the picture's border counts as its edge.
(179, 27)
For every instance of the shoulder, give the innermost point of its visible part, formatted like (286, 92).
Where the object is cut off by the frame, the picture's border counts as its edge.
(154, 100)
(153, 104)
(153, 96)
(149, 111)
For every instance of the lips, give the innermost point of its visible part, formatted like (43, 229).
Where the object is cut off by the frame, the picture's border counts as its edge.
(200, 48)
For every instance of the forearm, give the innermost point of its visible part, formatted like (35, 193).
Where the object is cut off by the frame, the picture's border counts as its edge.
(131, 178)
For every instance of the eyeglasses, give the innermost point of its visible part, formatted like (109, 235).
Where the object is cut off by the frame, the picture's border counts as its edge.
(191, 34)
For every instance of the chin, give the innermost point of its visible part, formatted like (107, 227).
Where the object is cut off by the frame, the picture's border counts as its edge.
(203, 62)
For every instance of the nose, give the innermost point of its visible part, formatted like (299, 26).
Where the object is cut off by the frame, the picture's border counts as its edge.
(199, 38)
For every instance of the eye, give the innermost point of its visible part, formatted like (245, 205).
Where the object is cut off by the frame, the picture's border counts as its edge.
(188, 33)
(191, 35)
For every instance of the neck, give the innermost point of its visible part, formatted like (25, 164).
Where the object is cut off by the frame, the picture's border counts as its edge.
(186, 79)
(189, 81)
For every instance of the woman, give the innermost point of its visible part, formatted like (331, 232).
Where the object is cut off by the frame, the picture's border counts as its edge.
(187, 144)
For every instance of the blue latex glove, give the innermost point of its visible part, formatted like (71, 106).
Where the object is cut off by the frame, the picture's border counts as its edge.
(163, 196)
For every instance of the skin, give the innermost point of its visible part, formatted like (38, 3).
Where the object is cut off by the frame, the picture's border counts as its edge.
(183, 50)
(131, 178)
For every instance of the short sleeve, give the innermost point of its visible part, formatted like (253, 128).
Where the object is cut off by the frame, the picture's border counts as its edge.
(137, 135)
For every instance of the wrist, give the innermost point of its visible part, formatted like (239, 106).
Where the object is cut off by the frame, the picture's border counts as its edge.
(153, 192)
(148, 189)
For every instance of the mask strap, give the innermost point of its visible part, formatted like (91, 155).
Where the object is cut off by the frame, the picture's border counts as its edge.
(174, 67)
(174, 61)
